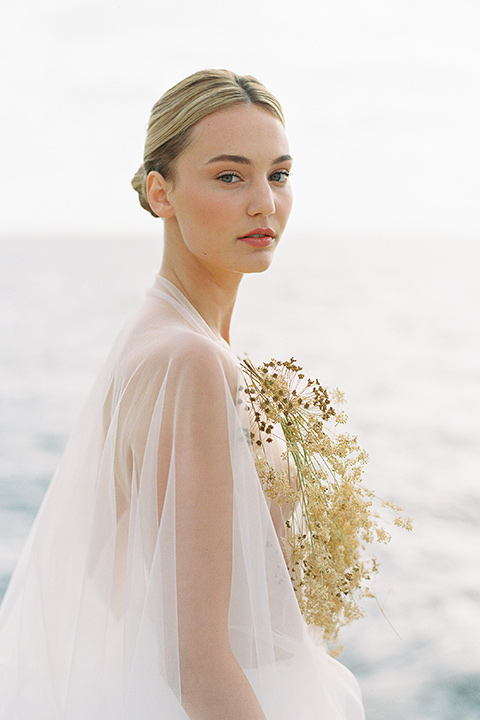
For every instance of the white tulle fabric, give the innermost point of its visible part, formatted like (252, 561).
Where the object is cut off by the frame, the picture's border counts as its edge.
(155, 540)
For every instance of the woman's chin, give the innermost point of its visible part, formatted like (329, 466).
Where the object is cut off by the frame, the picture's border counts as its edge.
(259, 262)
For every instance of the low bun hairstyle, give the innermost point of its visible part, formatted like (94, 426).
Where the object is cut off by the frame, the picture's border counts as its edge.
(183, 106)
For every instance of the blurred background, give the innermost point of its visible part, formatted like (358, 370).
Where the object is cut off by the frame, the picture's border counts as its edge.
(374, 289)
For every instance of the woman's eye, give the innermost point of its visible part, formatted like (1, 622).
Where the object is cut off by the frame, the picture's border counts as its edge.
(228, 178)
(280, 176)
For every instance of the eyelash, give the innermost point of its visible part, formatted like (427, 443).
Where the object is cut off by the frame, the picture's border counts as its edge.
(284, 173)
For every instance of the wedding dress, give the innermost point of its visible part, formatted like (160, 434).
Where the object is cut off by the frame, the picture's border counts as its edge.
(155, 515)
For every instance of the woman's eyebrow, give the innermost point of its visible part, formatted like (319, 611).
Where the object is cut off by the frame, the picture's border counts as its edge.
(244, 160)
(282, 159)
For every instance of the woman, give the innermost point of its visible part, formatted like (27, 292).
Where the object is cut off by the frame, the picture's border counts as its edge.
(153, 584)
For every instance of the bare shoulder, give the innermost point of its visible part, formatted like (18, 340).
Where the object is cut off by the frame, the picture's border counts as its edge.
(202, 358)
(154, 351)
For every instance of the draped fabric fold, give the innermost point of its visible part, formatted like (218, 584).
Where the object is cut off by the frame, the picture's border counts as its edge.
(154, 551)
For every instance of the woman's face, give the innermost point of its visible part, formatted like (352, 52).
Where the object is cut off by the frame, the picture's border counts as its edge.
(230, 198)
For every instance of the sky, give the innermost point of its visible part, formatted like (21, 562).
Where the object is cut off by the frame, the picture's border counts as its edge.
(382, 99)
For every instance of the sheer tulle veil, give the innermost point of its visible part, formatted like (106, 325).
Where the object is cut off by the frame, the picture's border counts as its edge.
(157, 474)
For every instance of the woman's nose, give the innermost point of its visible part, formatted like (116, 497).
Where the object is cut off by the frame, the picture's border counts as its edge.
(262, 201)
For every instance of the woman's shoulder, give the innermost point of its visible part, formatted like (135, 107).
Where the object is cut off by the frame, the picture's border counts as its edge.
(189, 346)
(177, 350)
(200, 357)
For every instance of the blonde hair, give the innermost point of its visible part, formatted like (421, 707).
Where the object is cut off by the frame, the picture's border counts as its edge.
(182, 107)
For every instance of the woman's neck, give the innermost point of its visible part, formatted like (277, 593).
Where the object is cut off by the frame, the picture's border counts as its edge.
(212, 294)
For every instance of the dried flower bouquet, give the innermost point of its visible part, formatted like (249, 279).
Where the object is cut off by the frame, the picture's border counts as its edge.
(333, 516)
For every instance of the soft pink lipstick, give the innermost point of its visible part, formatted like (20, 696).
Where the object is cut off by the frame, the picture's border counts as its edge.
(259, 238)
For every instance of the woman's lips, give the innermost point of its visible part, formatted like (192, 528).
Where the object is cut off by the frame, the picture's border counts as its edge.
(260, 237)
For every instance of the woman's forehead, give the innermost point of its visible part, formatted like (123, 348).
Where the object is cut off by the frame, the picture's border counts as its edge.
(242, 130)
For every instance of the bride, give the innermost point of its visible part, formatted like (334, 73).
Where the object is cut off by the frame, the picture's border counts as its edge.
(153, 584)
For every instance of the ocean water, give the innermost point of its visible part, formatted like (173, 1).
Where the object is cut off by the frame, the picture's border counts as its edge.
(395, 324)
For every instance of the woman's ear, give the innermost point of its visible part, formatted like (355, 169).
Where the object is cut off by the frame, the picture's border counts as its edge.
(158, 190)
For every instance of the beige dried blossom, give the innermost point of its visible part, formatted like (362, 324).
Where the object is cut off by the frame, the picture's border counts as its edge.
(333, 516)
